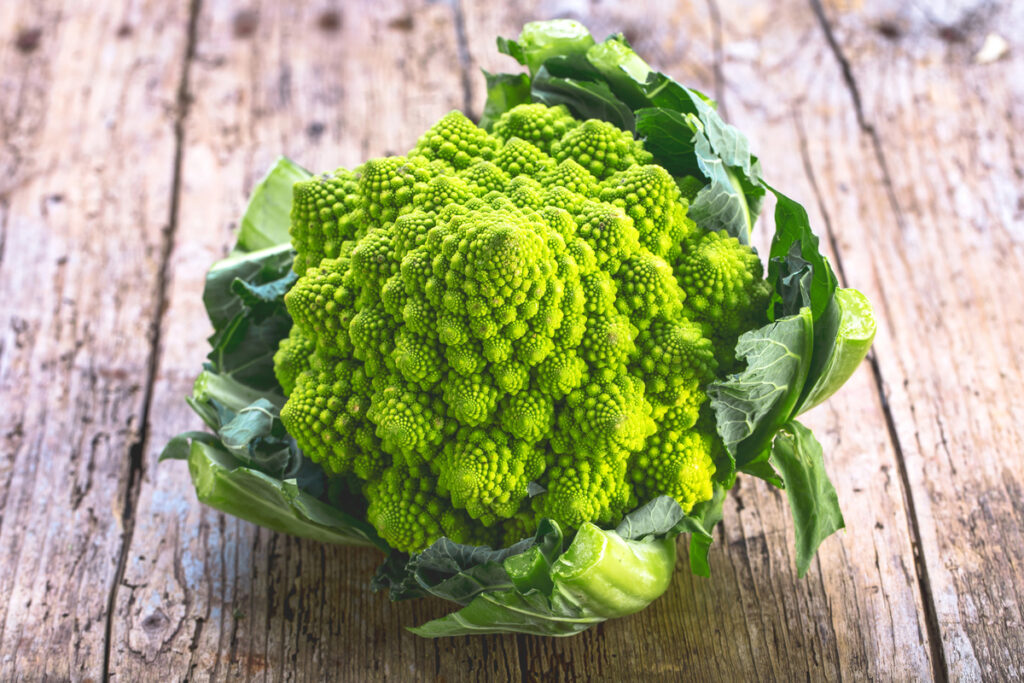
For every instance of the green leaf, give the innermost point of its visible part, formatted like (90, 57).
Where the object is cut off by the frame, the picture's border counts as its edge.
(264, 266)
(750, 406)
(586, 99)
(267, 216)
(626, 72)
(701, 523)
(459, 573)
(761, 468)
(797, 455)
(244, 297)
(660, 516)
(504, 91)
(723, 204)
(541, 40)
(671, 140)
(224, 483)
(178, 447)
(794, 248)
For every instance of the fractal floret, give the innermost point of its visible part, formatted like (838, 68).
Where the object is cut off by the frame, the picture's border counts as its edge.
(500, 328)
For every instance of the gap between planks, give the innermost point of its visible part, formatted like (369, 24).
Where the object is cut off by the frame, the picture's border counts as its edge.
(138, 449)
(937, 653)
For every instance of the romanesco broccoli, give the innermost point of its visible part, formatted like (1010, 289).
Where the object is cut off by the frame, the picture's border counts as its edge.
(498, 328)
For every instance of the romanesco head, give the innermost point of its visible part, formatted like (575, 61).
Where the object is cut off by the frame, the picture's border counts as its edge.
(498, 328)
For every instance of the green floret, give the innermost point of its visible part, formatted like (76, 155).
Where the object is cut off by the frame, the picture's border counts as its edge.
(560, 373)
(405, 508)
(607, 418)
(293, 357)
(610, 232)
(646, 289)
(675, 360)
(581, 490)
(386, 187)
(528, 416)
(649, 195)
(419, 358)
(689, 186)
(321, 304)
(441, 191)
(563, 198)
(372, 332)
(326, 413)
(471, 399)
(410, 231)
(410, 423)
(373, 259)
(525, 192)
(321, 217)
(571, 176)
(677, 463)
(484, 177)
(724, 286)
(456, 140)
(601, 148)
(536, 123)
(608, 343)
(486, 473)
(519, 157)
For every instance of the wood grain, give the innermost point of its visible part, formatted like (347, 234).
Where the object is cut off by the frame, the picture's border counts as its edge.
(114, 198)
(82, 232)
(942, 132)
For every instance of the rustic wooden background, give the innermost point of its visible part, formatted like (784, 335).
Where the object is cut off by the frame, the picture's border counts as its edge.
(131, 132)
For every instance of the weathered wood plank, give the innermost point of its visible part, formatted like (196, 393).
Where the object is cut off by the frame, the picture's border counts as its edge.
(942, 133)
(87, 95)
(858, 613)
(205, 596)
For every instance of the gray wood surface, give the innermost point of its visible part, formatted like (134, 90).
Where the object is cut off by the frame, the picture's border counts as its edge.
(130, 135)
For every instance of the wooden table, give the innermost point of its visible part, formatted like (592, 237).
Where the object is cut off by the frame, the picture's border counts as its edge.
(132, 132)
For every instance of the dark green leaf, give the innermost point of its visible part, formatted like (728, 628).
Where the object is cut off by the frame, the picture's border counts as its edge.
(731, 201)
(797, 455)
(585, 99)
(244, 297)
(795, 246)
(504, 91)
(701, 523)
(263, 299)
(511, 612)
(750, 406)
(669, 137)
(761, 468)
(178, 447)
(255, 268)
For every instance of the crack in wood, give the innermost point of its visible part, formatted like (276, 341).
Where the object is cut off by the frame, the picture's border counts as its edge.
(717, 58)
(462, 50)
(940, 670)
(137, 449)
